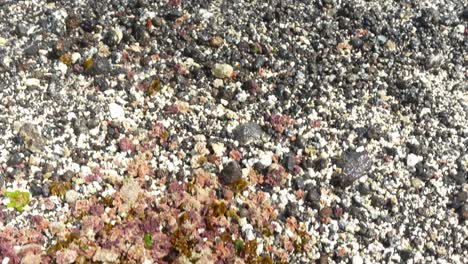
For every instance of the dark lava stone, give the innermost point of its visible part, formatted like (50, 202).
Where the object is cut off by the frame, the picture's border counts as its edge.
(46, 190)
(15, 159)
(110, 38)
(251, 86)
(377, 201)
(173, 15)
(299, 183)
(79, 127)
(464, 212)
(101, 83)
(231, 173)
(292, 210)
(391, 151)
(248, 132)
(73, 21)
(35, 190)
(307, 163)
(18, 140)
(354, 165)
(423, 171)
(259, 62)
(320, 164)
(67, 176)
(289, 161)
(364, 189)
(88, 25)
(460, 199)
(312, 197)
(464, 14)
(100, 66)
(32, 50)
(357, 43)
(21, 30)
(406, 254)
(357, 213)
(259, 167)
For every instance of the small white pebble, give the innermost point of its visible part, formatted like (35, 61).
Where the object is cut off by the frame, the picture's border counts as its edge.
(116, 111)
(413, 159)
(33, 82)
(357, 260)
(71, 196)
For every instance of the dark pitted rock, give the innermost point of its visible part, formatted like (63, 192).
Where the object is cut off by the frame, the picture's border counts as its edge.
(32, 50)
(259, 62)
(99, 66)
(289, 161)
(464, 212)
(354, 165)
(248, 132)
(111, 38)
(73, 21)
(251, 86)
(35, 190)
(15, 159)
(33, 140)
(292, 210)
(231, 173)
(313, 195)
(460, 199)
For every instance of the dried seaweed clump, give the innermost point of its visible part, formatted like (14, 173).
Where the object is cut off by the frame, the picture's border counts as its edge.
(182, 243)
(59, 188)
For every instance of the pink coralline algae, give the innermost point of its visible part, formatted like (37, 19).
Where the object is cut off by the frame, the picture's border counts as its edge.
(281, 122)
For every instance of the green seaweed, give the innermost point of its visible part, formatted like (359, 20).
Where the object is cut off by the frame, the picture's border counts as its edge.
(148, 240)
(18, 199)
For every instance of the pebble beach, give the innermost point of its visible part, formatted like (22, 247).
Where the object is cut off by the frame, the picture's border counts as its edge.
(241, 131)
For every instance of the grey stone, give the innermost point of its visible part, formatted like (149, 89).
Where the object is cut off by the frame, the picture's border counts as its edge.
(248, 132)
(33, 140)
(231, 173)
(354, 165)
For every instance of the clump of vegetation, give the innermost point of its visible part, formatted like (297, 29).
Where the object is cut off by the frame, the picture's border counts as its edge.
(219, 208)
(238, 245)
(88, 63)
(148, 240)
(182, 243)
(66, 59)
(154, 87)
(59, 188)
(18, 199)
(239, 186)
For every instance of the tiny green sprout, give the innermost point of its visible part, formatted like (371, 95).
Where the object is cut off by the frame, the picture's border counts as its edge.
(18, 199)
(147, 239)
(238, 244)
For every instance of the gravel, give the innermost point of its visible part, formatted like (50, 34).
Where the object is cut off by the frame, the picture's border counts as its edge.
(233, 131)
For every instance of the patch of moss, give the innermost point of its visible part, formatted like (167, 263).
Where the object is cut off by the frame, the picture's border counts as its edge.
(18, 199)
